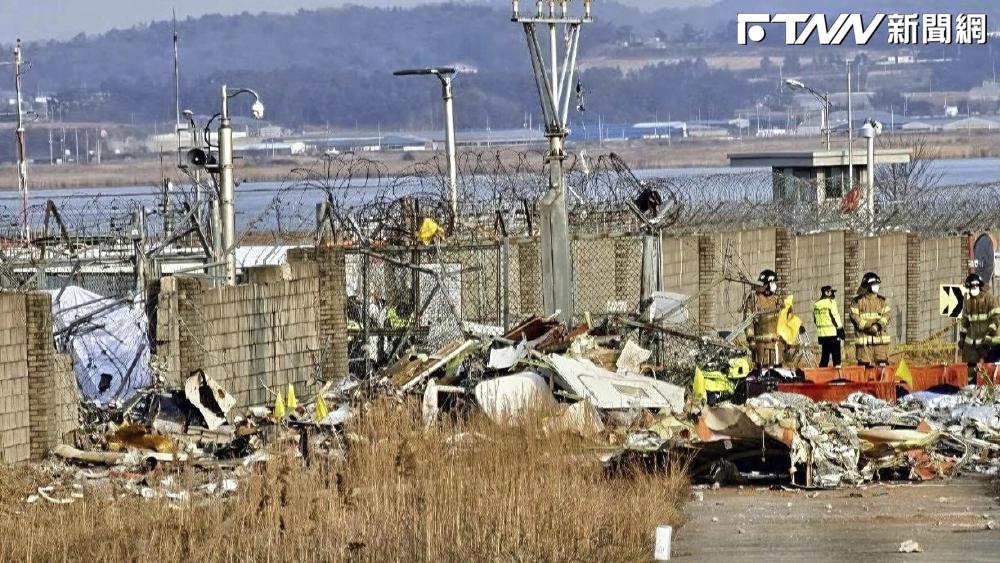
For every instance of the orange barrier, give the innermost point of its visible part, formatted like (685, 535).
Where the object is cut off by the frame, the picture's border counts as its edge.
(924, 377)
(826, 375)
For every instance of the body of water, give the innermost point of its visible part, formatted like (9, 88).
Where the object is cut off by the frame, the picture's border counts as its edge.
(254, 198)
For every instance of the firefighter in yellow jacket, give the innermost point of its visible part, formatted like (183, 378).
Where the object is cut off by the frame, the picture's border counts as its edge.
(761, 310)
(980, 319)
(870, 316)
(829, 326)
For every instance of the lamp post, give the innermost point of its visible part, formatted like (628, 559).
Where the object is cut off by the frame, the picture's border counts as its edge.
(823, 98)
(227, 184)
(869, 131)
(554, 80)
(445, 75)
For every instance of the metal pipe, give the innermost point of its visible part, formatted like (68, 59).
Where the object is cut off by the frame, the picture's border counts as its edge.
(850, 131)
(870, 195)
(826, 118)
(227, 192)
(449, 141)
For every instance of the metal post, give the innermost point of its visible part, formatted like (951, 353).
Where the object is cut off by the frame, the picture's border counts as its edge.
(227, 189)
(870, 191)
(850, 131)
(22, 160)
(449, 140)
(826, 118)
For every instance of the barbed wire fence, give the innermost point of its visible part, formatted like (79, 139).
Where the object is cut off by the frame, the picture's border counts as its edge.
(485, 275)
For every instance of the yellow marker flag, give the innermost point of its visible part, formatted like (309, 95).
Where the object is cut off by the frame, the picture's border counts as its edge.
(698, 387)
(291, 402)
(321, 409)
(903, 373)
(279, 408)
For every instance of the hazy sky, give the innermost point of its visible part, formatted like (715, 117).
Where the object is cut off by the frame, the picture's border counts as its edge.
(61, 19)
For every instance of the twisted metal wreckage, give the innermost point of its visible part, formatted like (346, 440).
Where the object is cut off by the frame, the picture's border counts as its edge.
(619, 377)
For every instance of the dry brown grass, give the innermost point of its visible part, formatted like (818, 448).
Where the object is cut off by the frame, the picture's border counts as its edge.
(403, 494)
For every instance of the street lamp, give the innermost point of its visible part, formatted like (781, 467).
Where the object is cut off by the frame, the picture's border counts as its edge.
(445, 75)
(227, 185)
(823, 98)
(869, 131)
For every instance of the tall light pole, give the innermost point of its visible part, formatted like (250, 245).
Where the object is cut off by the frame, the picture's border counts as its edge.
(555, 83)
(227, 184)
(824, 99)
(850, 131)
(445, 75)
(22, 161)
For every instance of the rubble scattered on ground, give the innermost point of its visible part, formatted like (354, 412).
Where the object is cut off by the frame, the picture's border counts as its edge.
(624, 386)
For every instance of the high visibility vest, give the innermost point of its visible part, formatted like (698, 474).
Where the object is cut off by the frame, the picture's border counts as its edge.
(827, 318)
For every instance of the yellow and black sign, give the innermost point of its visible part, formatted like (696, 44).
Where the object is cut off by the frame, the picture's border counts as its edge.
(952, 300)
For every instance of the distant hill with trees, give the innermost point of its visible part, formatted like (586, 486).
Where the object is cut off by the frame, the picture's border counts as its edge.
(334, 66)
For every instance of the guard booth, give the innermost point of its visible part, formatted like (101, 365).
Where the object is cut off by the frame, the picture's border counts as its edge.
(815, 176)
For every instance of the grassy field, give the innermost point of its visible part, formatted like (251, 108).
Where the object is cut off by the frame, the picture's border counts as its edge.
(461, 491)
(690, 152)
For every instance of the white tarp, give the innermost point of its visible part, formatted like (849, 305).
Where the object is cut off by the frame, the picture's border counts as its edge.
(105, 340)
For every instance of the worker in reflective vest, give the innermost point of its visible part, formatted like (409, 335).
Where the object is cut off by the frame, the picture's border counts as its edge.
(980, 319)
(829, 326)
(760, 311)
(870, 317)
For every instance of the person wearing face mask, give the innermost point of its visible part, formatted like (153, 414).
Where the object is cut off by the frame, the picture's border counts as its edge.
(980, 319)
(829, 327)
(760, 310)
(870, 316)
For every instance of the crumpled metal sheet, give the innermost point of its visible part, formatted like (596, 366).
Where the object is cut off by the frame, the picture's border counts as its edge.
(609, 390)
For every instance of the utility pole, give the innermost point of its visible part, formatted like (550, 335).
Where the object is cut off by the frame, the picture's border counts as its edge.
(22, 160)
(555, 83)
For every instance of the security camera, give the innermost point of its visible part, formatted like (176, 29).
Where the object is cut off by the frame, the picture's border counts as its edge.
(257, 109)
(188, 114)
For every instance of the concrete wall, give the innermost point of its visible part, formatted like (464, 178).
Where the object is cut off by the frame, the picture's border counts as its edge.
(38, 393)
(943, 261)
(911, 269)
(739, 252)
(817, 260)
(886, 255)
(287, 326)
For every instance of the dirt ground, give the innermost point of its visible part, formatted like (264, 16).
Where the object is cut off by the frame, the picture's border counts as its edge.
(951, 521)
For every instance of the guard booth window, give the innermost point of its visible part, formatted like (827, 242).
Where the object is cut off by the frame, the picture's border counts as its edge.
(836, 178)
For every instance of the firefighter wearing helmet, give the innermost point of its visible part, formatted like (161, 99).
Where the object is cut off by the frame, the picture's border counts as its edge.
(870, 314)
(760, 311)
(980, 319)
